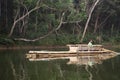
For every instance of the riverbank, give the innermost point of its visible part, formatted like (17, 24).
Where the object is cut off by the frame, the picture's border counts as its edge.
(111, 46)
(115, 47)
(31, 47)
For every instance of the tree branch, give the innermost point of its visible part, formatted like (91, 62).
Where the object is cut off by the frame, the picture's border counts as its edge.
(36, 39)
(13, 26)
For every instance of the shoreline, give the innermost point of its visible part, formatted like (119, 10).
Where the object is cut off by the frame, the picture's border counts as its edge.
(30, 47)
(108, 46)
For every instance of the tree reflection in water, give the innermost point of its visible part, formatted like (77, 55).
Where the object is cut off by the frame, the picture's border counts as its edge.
(14, 66)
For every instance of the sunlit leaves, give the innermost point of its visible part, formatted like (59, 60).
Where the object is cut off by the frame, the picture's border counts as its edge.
(58, 4)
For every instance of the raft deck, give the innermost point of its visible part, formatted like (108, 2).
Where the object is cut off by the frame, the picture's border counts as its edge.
(74, 50)
(77, 54)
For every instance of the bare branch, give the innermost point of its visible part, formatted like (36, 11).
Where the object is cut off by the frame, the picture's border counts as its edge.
(61, 20)
(71, 22)
(36, 39)
(13, 26)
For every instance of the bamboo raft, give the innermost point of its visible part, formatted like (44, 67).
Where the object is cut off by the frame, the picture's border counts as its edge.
(75, 53)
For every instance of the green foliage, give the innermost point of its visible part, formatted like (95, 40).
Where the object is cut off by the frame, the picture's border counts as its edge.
(50, 18)
(30, 3)
(62, 39)
(73, 39)
(41, 21)
(41, 30)
(59, 4)
(77, 16)
(117, 39)
(6, 41)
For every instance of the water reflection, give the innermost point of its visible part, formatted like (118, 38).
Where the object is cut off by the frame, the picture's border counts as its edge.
(90, 60)
(14, 66)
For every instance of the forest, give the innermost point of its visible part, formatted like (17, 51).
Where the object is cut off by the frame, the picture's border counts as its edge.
(59, 22)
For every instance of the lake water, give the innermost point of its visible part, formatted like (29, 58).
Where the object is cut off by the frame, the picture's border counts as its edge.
(15, 66)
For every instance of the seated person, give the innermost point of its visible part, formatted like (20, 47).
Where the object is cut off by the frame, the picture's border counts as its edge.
(90, 45)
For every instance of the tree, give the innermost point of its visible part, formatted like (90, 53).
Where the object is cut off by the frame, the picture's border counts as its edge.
(33, 20)
(6, 15)
(53, 12)
(23, 16)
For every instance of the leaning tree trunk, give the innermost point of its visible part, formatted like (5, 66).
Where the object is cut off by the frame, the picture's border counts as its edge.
(88, 20)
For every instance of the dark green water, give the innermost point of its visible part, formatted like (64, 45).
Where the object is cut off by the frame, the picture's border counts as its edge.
(14, 66)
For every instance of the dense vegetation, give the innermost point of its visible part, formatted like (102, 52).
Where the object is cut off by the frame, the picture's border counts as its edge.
(56, 22)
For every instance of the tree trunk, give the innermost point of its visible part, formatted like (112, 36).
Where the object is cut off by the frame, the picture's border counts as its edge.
(89, 17)
(96, 24)
(6, 15)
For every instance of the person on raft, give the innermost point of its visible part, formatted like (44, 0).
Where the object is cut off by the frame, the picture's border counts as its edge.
(90, 45)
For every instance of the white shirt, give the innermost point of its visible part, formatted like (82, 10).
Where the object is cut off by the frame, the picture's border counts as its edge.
(90, 44)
